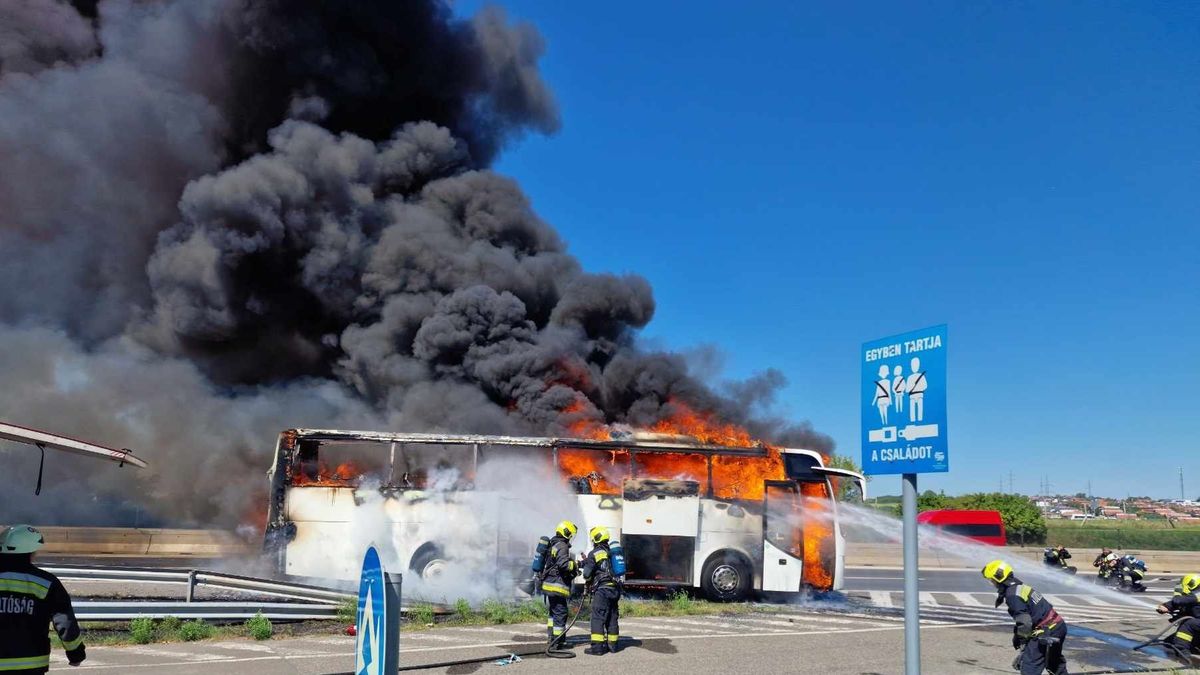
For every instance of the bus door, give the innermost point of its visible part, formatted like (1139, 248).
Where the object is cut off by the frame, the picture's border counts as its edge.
(660, 521)
(783, 537)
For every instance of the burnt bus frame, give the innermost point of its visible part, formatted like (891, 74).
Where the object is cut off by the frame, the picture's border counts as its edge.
(279, 532)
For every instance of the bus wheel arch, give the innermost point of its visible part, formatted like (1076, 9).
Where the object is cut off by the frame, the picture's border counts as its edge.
(727, 576)
(429, 561)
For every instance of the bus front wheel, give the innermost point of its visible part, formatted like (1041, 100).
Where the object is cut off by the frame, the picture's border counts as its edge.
(726, 577)
(429, 563)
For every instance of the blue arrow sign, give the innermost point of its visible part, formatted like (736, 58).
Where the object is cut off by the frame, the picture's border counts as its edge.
(904, 403)
(371, 642)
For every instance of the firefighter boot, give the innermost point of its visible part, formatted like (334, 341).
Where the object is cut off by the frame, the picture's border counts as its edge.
(597, 648)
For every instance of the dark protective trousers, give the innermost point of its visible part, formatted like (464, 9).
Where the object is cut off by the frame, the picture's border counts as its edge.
(605, 614)
(1045, 652)
(556, 625)
(1186, 635)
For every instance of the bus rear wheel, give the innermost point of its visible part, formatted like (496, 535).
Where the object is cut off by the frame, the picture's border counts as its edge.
(726, 577)
(429, 563)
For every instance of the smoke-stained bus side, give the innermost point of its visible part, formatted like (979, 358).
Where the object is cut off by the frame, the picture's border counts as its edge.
(726, 520)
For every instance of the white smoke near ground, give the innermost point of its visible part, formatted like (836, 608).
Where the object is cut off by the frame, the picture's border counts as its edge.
(485, 533)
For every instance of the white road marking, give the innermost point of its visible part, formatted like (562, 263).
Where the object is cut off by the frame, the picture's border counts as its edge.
(720, 624)
(967, 599)
(172, 654)
(881, 599)
(656, 626)
(246, 647)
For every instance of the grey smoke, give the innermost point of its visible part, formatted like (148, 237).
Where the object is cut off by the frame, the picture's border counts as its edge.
(39, 34)
(225, 218)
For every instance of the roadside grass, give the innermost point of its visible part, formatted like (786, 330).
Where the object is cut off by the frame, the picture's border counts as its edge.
(419, 617)
(170, 629)
(1150, 535)
(423, 616)
(1104, 524)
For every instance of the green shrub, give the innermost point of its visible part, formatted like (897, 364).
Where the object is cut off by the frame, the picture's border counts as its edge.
(532, 610)
(347, 611)
(681, 602)
(463, 609)
(196, 629)
(141, 630)
(495, 611)
(168, 628)
(421, 613)
(260, 627)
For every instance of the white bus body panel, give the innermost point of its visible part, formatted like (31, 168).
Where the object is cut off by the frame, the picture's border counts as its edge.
(662, 515)
(781, 571)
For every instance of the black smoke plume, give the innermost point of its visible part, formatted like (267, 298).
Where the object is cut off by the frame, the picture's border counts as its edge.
(225, 218)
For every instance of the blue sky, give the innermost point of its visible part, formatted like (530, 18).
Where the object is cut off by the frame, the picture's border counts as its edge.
(797, 178)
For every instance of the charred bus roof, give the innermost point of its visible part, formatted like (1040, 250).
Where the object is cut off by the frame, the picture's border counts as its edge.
(635, 442)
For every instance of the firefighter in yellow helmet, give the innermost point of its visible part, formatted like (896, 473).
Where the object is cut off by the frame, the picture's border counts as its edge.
(1039, 632)
(32, 599)
(1185, 603)
(558, 573)
(605, 585)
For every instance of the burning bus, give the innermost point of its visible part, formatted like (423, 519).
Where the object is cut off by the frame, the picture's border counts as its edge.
(727, 520)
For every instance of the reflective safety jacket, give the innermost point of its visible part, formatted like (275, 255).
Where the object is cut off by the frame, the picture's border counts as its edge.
(30, 600)
(559, 572)
(1032, 612)
(597, 568)
(1184, 605)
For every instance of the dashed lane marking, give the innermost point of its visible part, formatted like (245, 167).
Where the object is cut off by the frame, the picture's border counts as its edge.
(967, 599)
(882, 599)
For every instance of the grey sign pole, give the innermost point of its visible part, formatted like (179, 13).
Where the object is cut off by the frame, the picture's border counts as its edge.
(912, 612)
(391, 660)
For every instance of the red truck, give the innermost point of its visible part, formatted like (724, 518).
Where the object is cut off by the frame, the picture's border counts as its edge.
(982, 526)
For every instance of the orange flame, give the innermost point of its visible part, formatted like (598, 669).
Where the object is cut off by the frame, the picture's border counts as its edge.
(345, 474)
(733, 477)
(702, 427)
(818, 536)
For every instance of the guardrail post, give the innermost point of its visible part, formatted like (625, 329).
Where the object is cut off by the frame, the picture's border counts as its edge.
(191, 585)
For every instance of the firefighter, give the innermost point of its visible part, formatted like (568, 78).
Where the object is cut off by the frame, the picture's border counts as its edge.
(605, 587)
(1135, 569)
(1056, 557)
(1105, 564)
(1185, 602)
(1039, 632)
(30, 600)
(557, 576)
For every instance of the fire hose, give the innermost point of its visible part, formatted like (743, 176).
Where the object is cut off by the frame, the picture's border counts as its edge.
(566, 653)
(549, 651)
(1161, 641)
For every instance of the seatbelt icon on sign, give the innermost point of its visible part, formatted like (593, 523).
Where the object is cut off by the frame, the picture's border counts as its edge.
(911, 432)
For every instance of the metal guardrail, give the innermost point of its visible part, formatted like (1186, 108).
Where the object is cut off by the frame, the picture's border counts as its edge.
(194, 578)
(124, 610)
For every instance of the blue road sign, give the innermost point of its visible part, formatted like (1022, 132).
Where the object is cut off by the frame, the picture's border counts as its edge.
(371, 642)
(904, 403)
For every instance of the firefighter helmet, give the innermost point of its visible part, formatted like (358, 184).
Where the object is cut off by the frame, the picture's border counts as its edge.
(1189, 583)
(566, 529)
(20, 539)
(598, 534)
(997, 571)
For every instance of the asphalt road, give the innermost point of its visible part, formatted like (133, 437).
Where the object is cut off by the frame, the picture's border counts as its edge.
(970, 581)
(850, 639)
(859, 631)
